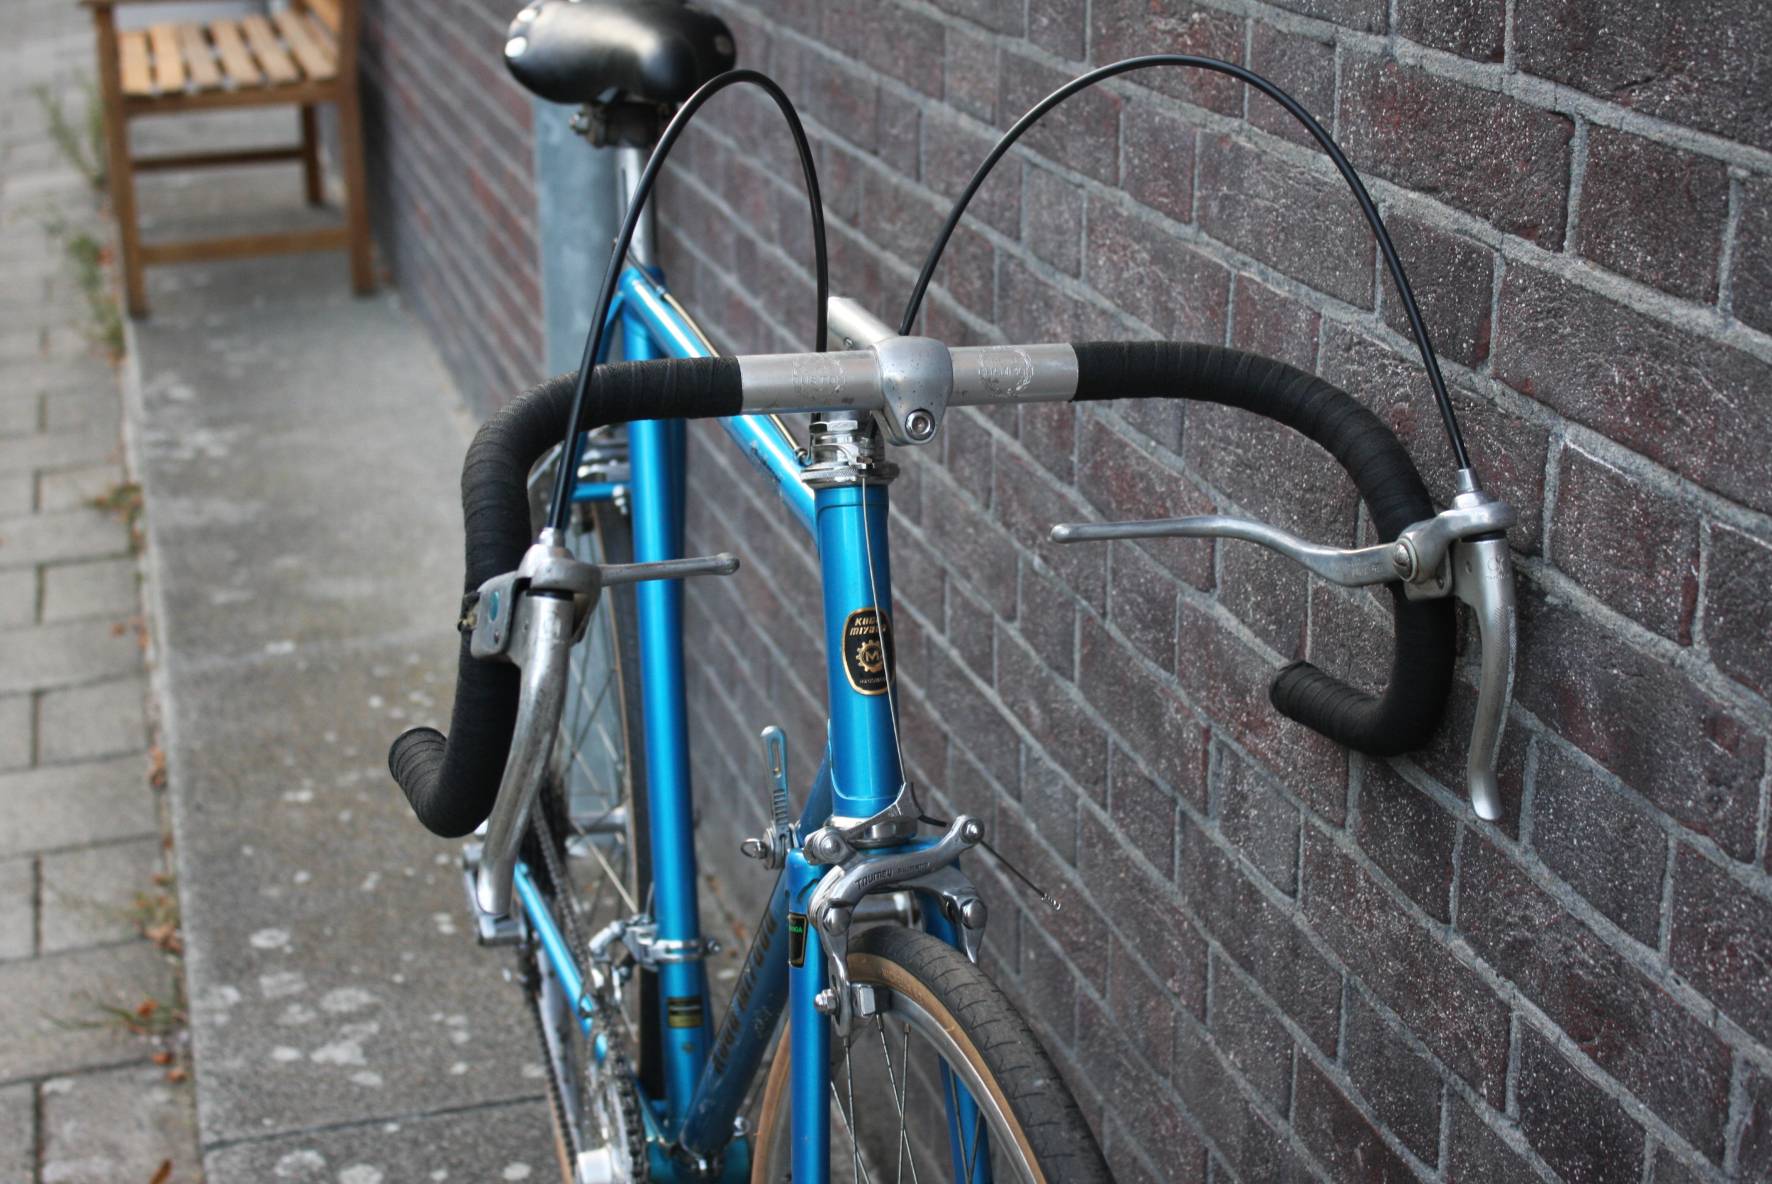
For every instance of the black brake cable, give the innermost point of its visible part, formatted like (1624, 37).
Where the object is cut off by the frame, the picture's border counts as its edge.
(561, 505)
(1392, 263)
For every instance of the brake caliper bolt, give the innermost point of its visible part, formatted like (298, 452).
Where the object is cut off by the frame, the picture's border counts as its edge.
(825, 1002)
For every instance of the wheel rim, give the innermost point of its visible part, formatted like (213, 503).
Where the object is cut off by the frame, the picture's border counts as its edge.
(901, 1139)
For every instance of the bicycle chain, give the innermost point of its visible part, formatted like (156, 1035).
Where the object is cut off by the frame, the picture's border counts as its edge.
(616, 1075)
(556, 1096)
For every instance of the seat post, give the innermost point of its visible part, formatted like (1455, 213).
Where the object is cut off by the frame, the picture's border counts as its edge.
(630, 162)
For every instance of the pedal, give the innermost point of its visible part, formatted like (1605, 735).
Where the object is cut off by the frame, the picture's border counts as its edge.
(773, 845)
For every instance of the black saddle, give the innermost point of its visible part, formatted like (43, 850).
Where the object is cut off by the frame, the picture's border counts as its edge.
(589, 51)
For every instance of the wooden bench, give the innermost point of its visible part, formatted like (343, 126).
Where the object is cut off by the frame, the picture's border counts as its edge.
(301, 55)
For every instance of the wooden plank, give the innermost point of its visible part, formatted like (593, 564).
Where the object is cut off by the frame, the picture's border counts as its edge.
(137, 78)
(306, 44)
(328, 13)
(213, 100)
(198, 160)
(238, 246)
(169, 60)
(268, 51)
(236, 62)
(199, 58)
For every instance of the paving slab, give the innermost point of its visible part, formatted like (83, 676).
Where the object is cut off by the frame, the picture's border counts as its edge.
(488, 1146)
(18, 907)
(52, 1009)
(18, 1132)
(106, 588)
(59, 536)
(21, 414)
(117, 1127)
(83, 408)
(18, 492)
(91, 722)
(78, 486)
(56, 449)
(18, 730)
(18, 595)
(73, 805)
(67, 654)
(87, 897)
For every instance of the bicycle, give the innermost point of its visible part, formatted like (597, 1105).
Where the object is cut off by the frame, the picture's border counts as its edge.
(568, 747)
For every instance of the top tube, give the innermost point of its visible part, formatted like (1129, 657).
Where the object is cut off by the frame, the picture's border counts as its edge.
(640, 295)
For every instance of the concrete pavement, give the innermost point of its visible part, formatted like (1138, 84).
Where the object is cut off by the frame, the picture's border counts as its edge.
(299, 451)
(88, 1003)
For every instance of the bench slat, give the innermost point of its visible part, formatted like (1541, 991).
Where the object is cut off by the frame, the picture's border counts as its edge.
(169, 62)
(327, 13)
(235, 60)
(133, 55)
(314, 55)
(270, 54)
(199, 58)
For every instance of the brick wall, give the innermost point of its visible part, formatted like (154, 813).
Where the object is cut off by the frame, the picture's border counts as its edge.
(452, 178)
(1277, 961)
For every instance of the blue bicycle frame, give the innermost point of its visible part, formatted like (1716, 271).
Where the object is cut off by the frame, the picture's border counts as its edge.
(706, 1074)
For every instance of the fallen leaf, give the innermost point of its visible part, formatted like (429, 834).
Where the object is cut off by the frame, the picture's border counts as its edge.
(146, 1008)
(163, 1173)
(157, 767)
(176, 1074)
(162, 1057)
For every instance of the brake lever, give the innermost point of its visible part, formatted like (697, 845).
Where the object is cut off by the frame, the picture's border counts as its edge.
(1462, 551)
(530, 618)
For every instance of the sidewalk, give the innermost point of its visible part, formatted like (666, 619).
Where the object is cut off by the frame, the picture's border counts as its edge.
(82, 1100)
(299, 451)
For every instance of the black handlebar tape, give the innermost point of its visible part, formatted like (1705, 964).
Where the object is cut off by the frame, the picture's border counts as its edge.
(1406, 714)
(452, 782)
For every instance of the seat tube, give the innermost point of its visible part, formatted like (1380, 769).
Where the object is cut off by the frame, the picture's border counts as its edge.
(655, 459)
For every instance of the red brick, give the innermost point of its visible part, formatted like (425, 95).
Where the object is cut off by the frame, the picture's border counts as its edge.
(1004, 16)
(1691, 755)
(1252, 1141)
(1252, 1037)
(1333, 1127)
(1155, 725)
(888, 38)
(1469, 28)
(1581, 1132)
(1126, 481)
(1401, 1087)
(1157, 162)
(1483, 152)
(1270, 945)
(1366, 15)
(970, 73)
(1752, 287)
(1453, 281)
(1409, 836)
(1147, 910)
(1132, 28)
(1653, 212)
(951, 154)
(1407, 967)
(1047, 707)
(1304, 68)
(1082, 133)
(1631, 1027)
(1607, 847)
(1054, 219)
(1634, 548)
(1180, 292)
(1722, 941)
(1294, 219)
(1508, 452)
(1256, 818)
(1666, 61)
(1737, 609)
(1269, 322)
(1480, 1156)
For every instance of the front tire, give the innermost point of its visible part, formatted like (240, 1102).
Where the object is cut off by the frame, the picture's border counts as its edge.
(888, 1098)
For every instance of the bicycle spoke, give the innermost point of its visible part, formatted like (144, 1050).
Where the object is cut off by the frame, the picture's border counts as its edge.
(898, 1096)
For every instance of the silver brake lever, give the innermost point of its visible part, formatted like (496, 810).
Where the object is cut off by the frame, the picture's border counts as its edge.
(1461, 551)
(530, 617)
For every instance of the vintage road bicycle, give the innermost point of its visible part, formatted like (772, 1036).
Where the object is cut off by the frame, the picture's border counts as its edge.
(568, 751)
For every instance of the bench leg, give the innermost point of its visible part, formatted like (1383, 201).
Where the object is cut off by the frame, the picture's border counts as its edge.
(120, 172)
(350, 135)
(310, 155)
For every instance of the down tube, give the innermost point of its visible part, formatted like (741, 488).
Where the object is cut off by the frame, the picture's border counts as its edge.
(655, 457)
